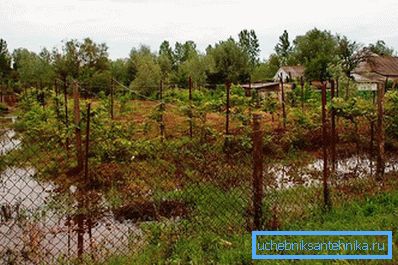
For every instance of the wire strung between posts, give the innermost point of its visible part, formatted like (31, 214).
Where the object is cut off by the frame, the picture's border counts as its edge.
(131, 90)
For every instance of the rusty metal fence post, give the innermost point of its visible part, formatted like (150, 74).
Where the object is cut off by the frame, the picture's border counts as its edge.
(302, 92)
(283, 102)
(78, 135)
(380, 132)
(258, 182)
(228, 88)
(190, 107)
(333, 129)
(112, 99)
(162, 109)
(325, 179)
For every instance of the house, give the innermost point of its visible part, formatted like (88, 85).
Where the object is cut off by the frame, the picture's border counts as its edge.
(266, 89)
(376, 69)
(261, 88)
(289, 73)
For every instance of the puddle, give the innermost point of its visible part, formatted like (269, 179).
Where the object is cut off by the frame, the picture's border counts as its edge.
(31, 228)
(8, 140)
(285, 177)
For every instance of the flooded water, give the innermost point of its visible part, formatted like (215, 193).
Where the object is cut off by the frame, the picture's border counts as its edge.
(31, 226)
(285, 176)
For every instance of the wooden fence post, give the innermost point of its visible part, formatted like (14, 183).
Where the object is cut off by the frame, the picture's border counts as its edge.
(87, 142)
(228, 88)
(190, 107)
(326, 194)
(372, 136)
(283, 102)
(333, 131)
(380, 132)
(258, 182)
(66, 110)
(162, 109)
(302, 92)
(112, 95)
(78, 135)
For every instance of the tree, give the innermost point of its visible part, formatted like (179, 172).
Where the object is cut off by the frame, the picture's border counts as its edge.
(147, 71)
(5, 60)
(267, 69)
(229, 62)
(381, 48)
(315, 50)
(32, 69)
(350, 54)
(283, 49)
(119, 71)
(135, 54)
(166, 59)
(196, 68)
(182, 52)
(249, 43)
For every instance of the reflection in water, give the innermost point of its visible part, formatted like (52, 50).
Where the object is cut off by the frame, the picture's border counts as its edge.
(288, 176)
(33, 228)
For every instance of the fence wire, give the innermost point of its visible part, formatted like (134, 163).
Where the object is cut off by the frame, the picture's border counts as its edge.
(133, 180)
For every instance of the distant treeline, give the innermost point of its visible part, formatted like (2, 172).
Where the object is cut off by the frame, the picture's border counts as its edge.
(237, 60)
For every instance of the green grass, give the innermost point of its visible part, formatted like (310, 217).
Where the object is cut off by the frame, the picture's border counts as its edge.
(167, 244)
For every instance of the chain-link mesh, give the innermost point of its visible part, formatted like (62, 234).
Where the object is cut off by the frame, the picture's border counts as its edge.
(134, 176)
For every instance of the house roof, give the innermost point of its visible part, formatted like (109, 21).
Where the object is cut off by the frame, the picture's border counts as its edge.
(259, 85)
(368, 77)
(294, 70)
(386, 66)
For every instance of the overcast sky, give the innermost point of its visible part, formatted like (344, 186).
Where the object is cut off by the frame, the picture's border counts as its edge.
(124, 24)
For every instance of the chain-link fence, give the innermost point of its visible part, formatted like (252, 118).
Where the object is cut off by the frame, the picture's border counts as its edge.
(86, 186)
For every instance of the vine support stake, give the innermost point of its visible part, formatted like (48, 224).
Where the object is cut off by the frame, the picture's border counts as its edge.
(283, 102)
(66, 111)
(326, 193)
(372, 136)
(302, 92)
(87, 141)
(112, 95)
(333, 131)
(228, 88)
(78, 134)
(380, 132)
(190, 107)
(258, 187)
(162, 109)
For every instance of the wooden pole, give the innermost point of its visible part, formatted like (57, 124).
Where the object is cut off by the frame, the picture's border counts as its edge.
(380, 133)
(112, 92)
(326, 195)
(258, 182)
(87, 142)
(302, 92)
(333, 131)
(190, 108)
(372, 132)
(162, 108)
(78, 135)
(283, 103)
(228, 88)
(66, 111)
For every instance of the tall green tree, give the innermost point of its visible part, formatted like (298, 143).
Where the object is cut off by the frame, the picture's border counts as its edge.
(229, 62)
(166, 60)
(284, 49)
(381, 48)
(147, 71)
(350, 54)
(249, 43)
(316, 50)
(5, 60)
